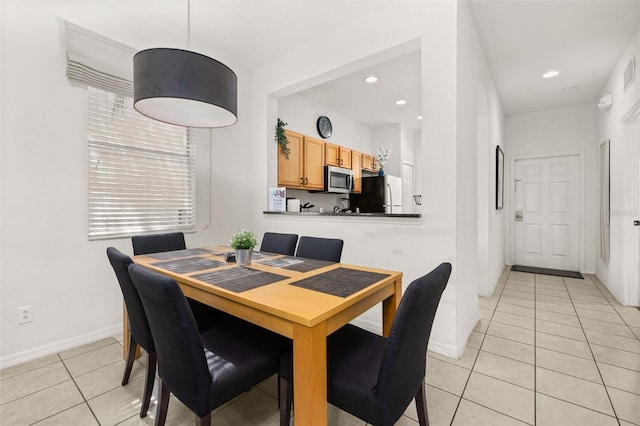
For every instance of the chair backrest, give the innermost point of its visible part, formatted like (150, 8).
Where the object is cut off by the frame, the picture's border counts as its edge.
(138, 324)
(145, 244)
(182, 364)
(329, 249)
(274, 242)
(403, 363)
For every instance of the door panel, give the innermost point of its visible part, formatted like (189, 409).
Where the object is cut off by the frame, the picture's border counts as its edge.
(532, 239)
(547, 228)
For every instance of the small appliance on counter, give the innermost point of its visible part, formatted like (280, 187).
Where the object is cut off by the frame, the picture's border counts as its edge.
(380, 194)
(293, 205)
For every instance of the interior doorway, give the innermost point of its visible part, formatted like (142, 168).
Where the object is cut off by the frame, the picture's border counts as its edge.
(546, 212)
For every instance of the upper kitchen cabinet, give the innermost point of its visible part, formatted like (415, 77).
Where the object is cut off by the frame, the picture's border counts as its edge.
(356, 166)
(304, 168)
(338, 156)
(369, 163)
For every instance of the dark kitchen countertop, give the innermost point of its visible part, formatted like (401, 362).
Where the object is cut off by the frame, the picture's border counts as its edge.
(340, 214)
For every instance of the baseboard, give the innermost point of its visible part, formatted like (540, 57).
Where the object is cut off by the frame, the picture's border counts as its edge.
(58, 346)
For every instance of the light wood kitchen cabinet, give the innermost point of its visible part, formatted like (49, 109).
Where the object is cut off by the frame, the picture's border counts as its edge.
(313, 163)
(369, 162)
(305, 166)
(356, 166)
(336, 155)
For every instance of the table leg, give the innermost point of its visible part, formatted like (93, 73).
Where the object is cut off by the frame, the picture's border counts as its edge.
(125, 335)
(310, 375)
(389, 307)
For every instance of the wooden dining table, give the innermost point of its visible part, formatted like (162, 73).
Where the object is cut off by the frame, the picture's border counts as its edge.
(302, 299)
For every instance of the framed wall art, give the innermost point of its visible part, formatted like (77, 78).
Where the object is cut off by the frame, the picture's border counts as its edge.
(499, 178)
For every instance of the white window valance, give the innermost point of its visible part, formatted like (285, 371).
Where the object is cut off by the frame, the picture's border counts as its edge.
(95, 60)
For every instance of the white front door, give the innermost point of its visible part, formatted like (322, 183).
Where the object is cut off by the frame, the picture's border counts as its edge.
(547, 218)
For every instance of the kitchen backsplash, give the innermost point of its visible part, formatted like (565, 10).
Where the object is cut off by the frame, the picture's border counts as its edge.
(326, 201)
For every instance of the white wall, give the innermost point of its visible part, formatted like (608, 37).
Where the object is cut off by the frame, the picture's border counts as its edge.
(473, 73)
(556, 132)
(46, 259)
(411, 246)
(301, 114)
(616, 274)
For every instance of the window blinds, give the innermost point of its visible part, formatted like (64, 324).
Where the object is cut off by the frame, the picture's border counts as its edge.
(141, 171)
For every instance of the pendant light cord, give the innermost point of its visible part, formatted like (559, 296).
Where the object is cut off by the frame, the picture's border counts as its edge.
(188, 24)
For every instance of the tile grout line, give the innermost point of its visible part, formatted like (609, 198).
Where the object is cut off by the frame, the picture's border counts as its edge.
(477, 355)
(613, 408)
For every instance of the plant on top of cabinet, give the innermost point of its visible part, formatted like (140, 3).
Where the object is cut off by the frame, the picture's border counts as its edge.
(281, 138)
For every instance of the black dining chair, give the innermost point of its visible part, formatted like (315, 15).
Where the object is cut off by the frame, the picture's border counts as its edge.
(202, 370)
(139, 332)
(156, 243)
(375, 378)
(329, 249)
(206, 316)
(273, 242)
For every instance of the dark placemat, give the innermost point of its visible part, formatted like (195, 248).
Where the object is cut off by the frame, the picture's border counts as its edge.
(341, 282)
(176, 254)
(259, 255)
(296, 263)
(239, 279)
(188, 264)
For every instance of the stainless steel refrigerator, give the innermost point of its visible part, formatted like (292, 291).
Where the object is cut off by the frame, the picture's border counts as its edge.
(380, 194)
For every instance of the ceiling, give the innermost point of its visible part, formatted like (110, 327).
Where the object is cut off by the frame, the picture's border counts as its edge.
(522, 39)
(582, 40)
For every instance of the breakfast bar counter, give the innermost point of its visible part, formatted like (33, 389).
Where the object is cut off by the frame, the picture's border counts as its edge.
(341, 214)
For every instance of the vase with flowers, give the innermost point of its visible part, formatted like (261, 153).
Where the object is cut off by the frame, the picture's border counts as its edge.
(243, 242)
(383, 156)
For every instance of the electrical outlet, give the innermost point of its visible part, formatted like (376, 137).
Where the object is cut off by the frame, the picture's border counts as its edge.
(25, 314)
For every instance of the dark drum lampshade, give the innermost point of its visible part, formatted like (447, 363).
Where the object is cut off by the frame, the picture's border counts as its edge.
(184, 88)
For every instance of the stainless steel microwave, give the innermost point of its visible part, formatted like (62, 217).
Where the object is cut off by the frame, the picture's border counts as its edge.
(337, 179)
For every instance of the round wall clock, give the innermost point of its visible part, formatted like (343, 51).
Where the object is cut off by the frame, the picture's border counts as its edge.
(324, 126)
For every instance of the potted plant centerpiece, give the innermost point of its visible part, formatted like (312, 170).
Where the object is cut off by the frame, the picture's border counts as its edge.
(243, 242)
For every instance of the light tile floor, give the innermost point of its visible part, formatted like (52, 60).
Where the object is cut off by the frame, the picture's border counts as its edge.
(548, 351)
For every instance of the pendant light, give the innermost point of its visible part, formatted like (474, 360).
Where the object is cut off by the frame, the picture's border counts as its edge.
(184, 88)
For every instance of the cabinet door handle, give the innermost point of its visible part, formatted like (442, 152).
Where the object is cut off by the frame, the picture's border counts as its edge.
(301, 181)
(306, 181)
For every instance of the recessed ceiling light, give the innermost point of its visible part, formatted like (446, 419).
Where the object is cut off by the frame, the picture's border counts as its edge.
(550, 74)
(371, 79)
(401, 102)
(419, 117)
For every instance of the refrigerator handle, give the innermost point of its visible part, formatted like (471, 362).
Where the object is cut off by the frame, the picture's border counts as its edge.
(390, 197)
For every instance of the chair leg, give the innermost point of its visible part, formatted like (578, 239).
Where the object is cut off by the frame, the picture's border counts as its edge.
(163, 404)
(285, 398)
(421, 405)
(131, 356)
(148, 383)
(204, 421)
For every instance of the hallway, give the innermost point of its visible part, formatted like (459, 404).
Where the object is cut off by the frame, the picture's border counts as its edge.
(548, 351)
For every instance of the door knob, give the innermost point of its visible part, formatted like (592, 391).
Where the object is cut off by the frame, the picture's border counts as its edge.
(519, 216)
